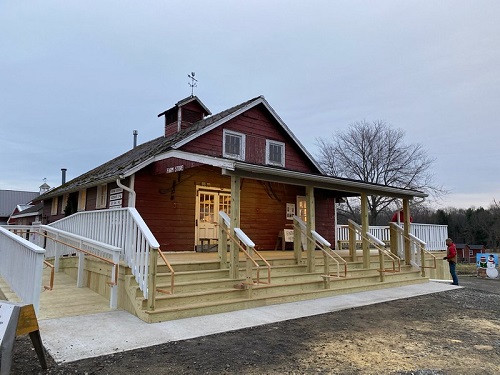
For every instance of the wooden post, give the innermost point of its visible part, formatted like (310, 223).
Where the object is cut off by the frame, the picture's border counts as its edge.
(113, 299)
(382, 266)
(249, 272)
(352, 243)
(365, 227)
(81, 268)
(297, 242)
(310, 225)
(222, 243)
(394, 239)
(153, 266)
(326, 266)
(406, 215)
(422, 259)
(234, 262)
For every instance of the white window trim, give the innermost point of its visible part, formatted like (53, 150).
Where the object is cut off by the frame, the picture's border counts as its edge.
(236, 134)
(82, 199)
(102, 196)
(270, 142)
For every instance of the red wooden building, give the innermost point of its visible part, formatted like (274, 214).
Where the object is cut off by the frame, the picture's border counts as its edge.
(204, 163)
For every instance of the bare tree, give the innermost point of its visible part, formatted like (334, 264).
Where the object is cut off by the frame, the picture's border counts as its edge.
(376, 153)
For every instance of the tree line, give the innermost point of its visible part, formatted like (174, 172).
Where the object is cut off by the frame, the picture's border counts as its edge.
(375, 152)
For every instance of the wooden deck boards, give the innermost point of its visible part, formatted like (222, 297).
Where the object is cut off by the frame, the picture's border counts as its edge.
(66, 299)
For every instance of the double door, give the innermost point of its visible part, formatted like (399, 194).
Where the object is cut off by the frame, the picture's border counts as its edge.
(208, 205)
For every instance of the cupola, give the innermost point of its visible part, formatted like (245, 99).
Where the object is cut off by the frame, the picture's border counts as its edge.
(185, 113)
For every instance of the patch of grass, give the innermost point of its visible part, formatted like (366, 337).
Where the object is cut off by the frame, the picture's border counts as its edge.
(466, 269)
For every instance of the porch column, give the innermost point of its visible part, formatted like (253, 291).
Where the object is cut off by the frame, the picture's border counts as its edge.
(406, 215)
(234, 262)
(365, 227)
(310, 225)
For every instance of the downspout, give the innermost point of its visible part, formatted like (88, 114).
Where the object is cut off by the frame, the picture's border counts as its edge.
(130, 190)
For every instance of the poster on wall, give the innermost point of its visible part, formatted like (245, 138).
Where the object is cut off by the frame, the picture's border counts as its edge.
(487, 265)
(290, 211)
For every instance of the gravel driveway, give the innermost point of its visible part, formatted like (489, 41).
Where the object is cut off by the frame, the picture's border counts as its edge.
(455, 332)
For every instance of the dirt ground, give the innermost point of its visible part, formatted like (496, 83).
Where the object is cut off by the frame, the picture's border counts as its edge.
(456, 332)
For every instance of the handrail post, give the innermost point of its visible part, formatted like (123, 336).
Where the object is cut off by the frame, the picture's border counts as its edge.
(326, 266)
(222, 243)
(113, 298)
(422, 259)
(57, 255)
(153, 266)
(81, 267)
(394, 240)
(352, 243)
(297, 242)
(249, 272)
(382, 266)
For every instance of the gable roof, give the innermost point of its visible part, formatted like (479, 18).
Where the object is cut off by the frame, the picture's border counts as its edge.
(29, 211)
(144, 154)
(163, 147)
(9, 199)
(185, 101)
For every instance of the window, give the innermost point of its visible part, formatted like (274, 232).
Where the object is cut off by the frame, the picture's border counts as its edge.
(82, 197)
(64, 202)
(275, 153)
(234, 145)
(102, 195)
(53, 210)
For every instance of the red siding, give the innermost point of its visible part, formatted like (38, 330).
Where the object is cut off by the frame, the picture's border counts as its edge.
(257, 125)
(168, 204)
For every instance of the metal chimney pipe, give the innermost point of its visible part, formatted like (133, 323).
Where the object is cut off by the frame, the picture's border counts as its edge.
(135, 137)
(63, 175)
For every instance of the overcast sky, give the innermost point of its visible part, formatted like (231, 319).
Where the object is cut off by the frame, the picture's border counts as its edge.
(77, 77)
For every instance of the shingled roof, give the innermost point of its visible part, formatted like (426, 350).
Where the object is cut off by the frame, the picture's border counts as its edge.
(9, 199)
(112, 169)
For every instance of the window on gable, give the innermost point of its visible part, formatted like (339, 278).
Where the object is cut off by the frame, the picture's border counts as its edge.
(275, 153)
(102, 195)
(234, 145)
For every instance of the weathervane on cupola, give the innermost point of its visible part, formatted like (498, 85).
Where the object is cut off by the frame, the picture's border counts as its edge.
(192, 84)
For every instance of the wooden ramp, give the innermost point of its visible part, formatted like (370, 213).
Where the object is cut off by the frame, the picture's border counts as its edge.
(66, 299)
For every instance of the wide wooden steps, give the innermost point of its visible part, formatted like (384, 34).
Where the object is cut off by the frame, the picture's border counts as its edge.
(201, 288)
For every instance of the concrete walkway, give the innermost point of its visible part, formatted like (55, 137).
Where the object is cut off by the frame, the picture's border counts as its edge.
(73, 338)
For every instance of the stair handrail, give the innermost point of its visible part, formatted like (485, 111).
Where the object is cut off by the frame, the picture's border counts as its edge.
(172, 274)
(382, 251)
(421, 245)
(248, 251)
(324, 246)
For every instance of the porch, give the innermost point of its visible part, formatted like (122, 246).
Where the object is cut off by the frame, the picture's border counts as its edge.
(159, 286)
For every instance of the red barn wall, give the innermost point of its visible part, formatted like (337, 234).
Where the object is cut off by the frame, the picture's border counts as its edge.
(257, 125)
(168, 205)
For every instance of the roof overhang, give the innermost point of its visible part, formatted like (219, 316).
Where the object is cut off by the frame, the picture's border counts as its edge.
(350, 187)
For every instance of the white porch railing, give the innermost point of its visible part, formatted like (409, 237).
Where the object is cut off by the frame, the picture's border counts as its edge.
(58, 243)
(121, 227)
(21, 266)
(432, 234)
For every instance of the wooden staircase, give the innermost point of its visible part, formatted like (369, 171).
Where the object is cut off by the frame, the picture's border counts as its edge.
(201, 288)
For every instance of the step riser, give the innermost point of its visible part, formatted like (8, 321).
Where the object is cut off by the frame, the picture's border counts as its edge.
(274, 289)
(158, 316)
(186, 277)
(178, 300)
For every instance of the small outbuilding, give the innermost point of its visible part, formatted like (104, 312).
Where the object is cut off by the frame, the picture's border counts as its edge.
(467, 253)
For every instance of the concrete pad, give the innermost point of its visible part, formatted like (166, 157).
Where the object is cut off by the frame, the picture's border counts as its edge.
(73, 338)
